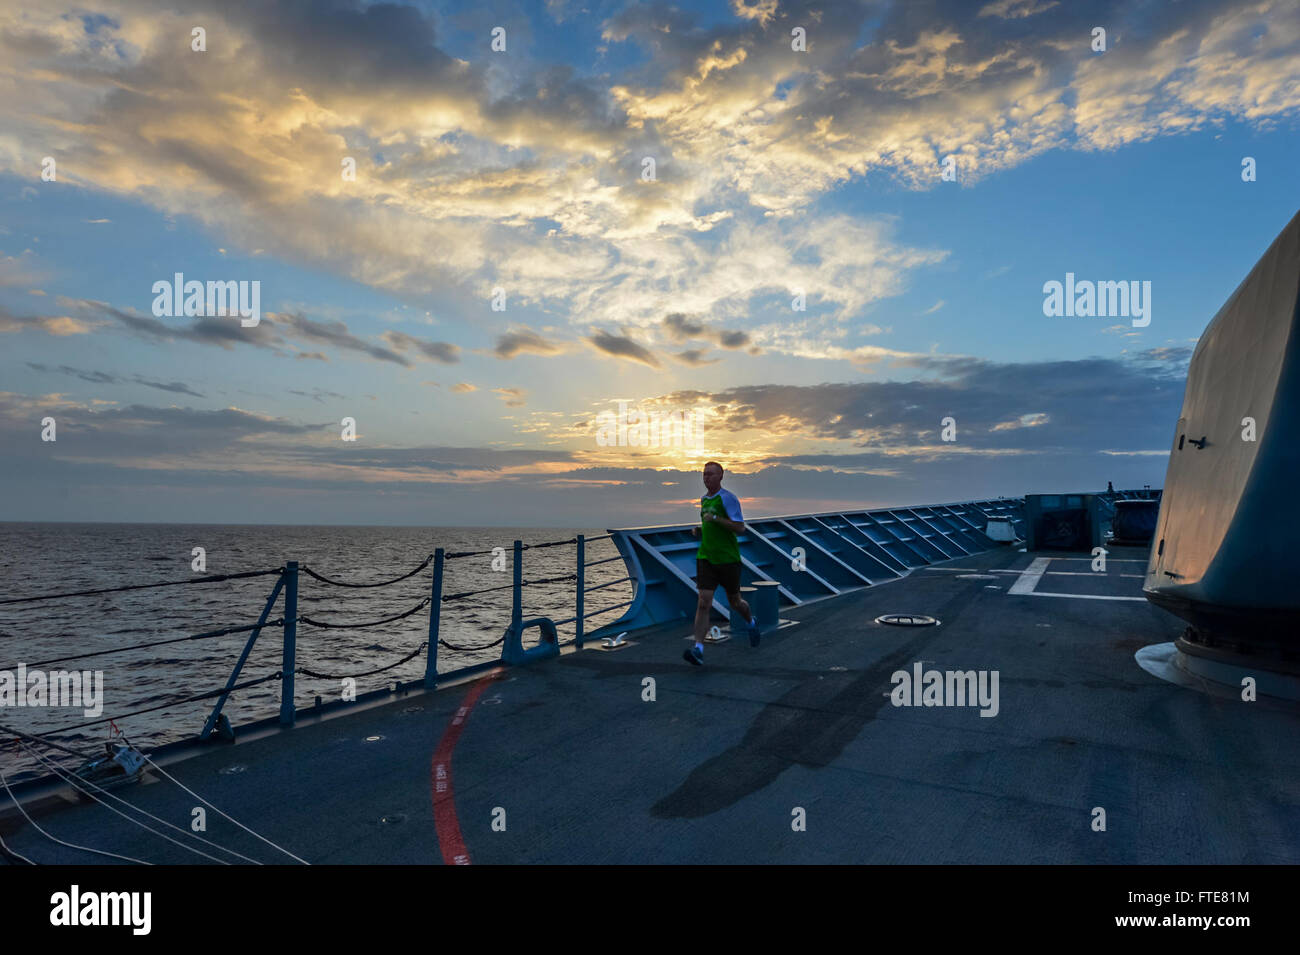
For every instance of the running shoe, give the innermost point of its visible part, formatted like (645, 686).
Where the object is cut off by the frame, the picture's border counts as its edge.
(693, 656)
(753, 631)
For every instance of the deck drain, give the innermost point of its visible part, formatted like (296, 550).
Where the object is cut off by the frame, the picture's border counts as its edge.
(373, 739)
(907, 620)
(392, 819)
(231, 770)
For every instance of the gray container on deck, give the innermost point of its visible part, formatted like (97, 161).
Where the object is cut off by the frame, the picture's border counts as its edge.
(1066, 521)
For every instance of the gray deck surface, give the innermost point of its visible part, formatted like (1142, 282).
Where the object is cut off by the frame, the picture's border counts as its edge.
(587, 772)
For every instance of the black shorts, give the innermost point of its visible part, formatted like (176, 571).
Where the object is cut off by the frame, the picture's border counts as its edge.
(712, 576)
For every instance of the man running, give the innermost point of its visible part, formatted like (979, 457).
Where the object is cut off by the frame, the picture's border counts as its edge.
(717, 562)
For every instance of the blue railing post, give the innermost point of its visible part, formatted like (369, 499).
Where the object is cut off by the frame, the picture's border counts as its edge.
(435, 618)
(517, 608)
(582, 577)
(290, 642)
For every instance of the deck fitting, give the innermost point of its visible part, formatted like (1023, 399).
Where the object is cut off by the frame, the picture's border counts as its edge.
(908, 620)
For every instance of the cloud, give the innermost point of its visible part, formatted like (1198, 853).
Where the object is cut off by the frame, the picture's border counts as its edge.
(318, 394)
(58, 325)
(787, 448)
(275, 331)
(902, 419)
(434, 459)
(621, 346)
(20, 270)
(463, 388)
(520, 340)
(333, 333)
(140, 436)
(444, 352)
(513, 397)
(1024, 421)
(682, 329)
(471, 177)
(1016, 9)
(694, 357)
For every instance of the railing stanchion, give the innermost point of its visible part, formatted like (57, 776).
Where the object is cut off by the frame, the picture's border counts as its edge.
(290, 642)
(435, 619)
(582, 577)
(517, 609)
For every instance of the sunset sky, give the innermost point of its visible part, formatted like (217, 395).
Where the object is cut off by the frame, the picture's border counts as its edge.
(776, 171)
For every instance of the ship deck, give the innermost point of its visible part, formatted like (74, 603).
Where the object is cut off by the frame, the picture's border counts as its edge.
(714, 769)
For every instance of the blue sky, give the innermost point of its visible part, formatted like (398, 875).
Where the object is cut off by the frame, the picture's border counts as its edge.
(521, 170)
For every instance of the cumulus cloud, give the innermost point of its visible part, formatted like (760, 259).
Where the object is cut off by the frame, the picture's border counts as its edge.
(459, 163)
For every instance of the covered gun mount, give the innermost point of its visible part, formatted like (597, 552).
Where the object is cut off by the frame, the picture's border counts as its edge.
(1225, 557)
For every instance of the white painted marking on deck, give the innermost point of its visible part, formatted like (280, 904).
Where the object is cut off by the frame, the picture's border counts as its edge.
(1039, 593)
(1109, 560)
(1030, 576)
(1091, 573)
(997, 570)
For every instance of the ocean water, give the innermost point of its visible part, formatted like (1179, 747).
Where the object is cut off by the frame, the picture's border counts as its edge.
(55, 558)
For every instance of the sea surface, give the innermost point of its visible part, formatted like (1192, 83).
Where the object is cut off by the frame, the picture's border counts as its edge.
(49, 558)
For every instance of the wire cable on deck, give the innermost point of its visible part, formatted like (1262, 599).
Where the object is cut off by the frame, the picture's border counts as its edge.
(383, 583)
(70, 845)
(326, 676)
(156, 643)
(166, 583)
(50, 764)
(11, 854)
(162, 706)
(20, 736)
(372, 623)
(168, 775)
(72, 781)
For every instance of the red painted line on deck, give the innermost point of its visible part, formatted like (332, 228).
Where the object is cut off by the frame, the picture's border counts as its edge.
(450, 840)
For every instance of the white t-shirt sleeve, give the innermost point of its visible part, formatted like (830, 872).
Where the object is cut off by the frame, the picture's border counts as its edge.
(732, 504)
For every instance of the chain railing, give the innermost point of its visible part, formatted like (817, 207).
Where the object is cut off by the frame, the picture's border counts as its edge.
(286, 584)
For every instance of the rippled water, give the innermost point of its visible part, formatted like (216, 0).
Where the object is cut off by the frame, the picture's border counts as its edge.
(55, 558)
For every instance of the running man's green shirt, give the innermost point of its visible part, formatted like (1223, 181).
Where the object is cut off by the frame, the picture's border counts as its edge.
(717, 544)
